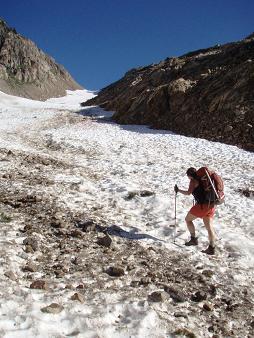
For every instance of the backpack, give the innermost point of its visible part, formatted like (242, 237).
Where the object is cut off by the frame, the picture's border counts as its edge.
(212, 185)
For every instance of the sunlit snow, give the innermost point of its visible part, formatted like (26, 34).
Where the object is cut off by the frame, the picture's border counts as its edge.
(124, 159)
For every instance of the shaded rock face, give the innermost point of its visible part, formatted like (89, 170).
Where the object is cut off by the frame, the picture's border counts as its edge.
(28, 72)
(207, 93)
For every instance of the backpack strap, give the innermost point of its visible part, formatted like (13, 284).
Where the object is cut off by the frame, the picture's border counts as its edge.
(212, 184)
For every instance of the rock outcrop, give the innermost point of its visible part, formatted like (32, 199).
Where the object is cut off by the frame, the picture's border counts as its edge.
(207, 93)
(27, 71)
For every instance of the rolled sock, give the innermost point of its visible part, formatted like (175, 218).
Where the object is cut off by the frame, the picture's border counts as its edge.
(212, 244)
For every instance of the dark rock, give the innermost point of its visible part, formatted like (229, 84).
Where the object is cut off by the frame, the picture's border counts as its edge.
(145, 281)
(207, 307)
(39, 284)
(142, 193)
(198, 296)
(76, 261)
(146, 193)
(247, 192)
(213, 290)
(27, 228)
(177, 295)
(58, 223)
(76, 233)
(115, 271)
(131, 195)
(156, 296)
(88, 226)
(32, 242)
(59, 273)
(180, 314)
(80, 286)
(105, 241)
(231, 307)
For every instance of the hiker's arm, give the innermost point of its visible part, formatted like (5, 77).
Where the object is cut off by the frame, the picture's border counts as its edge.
(184, 192)
(190, 189)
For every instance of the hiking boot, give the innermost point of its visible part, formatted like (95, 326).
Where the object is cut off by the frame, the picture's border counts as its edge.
(210, 250)
(192, 241)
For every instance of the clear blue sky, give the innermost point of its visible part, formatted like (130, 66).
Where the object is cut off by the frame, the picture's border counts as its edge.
(97, 41)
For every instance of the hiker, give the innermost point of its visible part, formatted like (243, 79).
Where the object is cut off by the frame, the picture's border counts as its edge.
(201, 209)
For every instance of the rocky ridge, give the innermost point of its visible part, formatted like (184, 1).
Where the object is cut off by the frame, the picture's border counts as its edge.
(207, 93)
(27, 71)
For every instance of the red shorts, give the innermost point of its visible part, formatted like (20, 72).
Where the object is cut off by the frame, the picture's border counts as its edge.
(202, 210)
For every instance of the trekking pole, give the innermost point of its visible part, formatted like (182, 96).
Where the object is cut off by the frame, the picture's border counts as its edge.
(175, 218)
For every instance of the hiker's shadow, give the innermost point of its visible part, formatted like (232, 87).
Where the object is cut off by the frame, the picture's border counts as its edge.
(116, 230)
(172, 232)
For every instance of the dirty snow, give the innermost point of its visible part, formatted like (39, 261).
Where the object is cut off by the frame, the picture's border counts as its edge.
(116, 161)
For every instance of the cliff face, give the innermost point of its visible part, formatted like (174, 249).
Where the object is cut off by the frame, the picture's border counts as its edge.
(208, 93)
(26, 71)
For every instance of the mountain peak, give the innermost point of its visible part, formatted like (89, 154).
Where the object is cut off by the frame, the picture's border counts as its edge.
(25, 70)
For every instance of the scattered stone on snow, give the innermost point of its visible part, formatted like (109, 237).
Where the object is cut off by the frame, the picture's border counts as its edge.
(76, 233)
(29, 249)
(39, 284)
(30, 267)
(31, 242)
(142, 193)
(27, 228)
(177, 295)
(10, 275)
(80, 286)
(105, 241)
(247, 192)
(156, 296)
(77, 296)
(207, 273)
(115, 271)
(88, 225)
(198, 296)
(179, 314)
(183, 332)
(53, 308)
(208, 307)
(145, 281)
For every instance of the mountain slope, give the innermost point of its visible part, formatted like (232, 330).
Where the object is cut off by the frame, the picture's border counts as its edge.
(27, 71)
(206, 93)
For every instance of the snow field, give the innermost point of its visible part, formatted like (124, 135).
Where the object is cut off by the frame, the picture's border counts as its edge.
(113, 165)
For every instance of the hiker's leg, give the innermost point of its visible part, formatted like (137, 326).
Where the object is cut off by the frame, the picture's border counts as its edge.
(208, 222)
(189, 221)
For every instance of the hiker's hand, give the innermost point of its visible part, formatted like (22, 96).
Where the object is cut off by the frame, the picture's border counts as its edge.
(176, 189)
